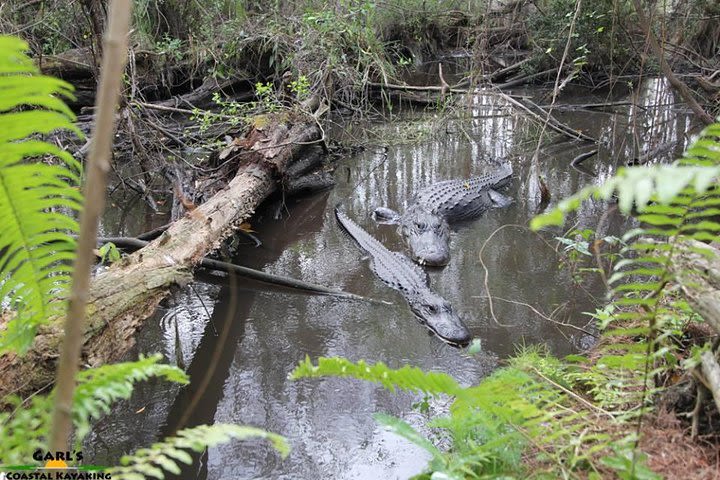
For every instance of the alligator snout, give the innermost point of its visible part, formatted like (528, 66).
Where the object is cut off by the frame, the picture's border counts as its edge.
(438, 315)
(428, 249)
(453, 332)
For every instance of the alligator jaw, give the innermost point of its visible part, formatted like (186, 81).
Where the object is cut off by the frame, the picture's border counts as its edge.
(464, 341)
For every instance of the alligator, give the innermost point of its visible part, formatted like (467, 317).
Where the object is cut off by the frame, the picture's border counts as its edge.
(400, 273)
(425, 225)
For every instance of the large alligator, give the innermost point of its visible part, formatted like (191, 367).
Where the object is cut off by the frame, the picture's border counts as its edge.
(400, 273)
(425, 224)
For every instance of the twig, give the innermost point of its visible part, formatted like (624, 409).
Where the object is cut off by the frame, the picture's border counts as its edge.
(185, 111)
(540, 314)
(487, 273)
(573, 394)
(697, 410)
(417, 88)
(551, 122)
(524, 79)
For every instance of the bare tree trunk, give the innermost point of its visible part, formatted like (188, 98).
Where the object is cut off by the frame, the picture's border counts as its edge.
(98, 164)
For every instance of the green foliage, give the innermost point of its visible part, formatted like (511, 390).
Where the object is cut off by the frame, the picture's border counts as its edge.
(598, 40)
(109, 253)
(25, 429)
(172, 47)
(36, 250)
(300, 87)
(98, 388)
(36, 247)
(268, 97)
(642, 327)
(164, 457)
(630, 465)
(405, 378)
(492, 423)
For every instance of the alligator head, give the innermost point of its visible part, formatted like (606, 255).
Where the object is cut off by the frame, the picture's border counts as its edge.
(438, 315)
(427, 235)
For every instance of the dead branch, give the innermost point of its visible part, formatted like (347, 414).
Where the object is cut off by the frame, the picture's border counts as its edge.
(678, 84)
(133, 244)
(551, 122)
(711, 374)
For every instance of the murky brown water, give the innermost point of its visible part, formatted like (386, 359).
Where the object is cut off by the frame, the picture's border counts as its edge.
(240, 341)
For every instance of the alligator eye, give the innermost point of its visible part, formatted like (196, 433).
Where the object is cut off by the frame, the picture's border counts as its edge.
(432, 309)
(421, 225)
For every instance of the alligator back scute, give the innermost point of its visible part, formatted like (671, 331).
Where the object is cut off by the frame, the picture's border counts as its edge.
(393, 268)
(463, 198)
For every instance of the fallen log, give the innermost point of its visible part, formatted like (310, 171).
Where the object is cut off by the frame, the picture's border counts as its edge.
(201, 96)
(127, 293)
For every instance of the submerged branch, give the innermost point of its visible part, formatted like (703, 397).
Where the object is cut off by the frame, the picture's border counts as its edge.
(132, 243)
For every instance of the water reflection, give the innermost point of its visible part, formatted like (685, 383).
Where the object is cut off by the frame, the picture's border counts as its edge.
(240, 359)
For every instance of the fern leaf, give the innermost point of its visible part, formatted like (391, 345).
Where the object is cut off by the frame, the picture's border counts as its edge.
(163, 456)
(36, 248)
(404, 429)
(405, 378)
(100, 387)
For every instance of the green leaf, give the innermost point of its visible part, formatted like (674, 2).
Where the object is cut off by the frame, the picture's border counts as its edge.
(405, 378)
(146, 460)
(403, 429)
(37, 198)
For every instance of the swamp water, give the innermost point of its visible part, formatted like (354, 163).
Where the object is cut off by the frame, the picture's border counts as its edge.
(240, 340)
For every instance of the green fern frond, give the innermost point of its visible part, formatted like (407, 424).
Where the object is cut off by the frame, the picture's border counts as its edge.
(25, 429)
(100, 387)
(636, 187)
(164, 456)
(36, 248)
(405, 378)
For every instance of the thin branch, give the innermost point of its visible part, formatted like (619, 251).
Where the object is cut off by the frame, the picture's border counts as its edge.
(132, 243)
(98, 164)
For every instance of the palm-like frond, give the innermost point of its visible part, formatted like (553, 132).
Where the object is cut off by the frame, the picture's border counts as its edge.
(678, 207)
(36, 196)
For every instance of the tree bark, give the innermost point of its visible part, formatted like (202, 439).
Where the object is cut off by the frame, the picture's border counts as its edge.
(122, 297)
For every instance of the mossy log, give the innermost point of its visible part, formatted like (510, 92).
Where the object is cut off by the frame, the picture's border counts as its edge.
(128, 292)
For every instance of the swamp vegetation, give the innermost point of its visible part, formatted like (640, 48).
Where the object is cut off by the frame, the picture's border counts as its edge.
(218, 118)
